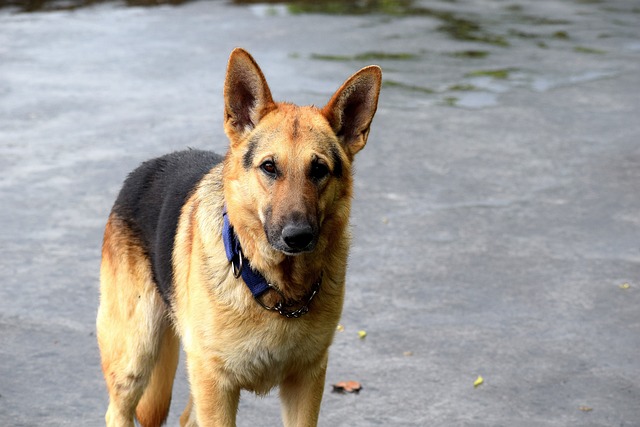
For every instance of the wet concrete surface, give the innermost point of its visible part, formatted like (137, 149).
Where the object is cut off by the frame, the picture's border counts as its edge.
(496, 215)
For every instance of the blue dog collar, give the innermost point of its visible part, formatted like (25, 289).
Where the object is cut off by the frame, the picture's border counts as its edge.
(256, 283)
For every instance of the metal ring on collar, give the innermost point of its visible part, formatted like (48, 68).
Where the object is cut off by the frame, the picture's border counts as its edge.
(237, 269)
(281, 306)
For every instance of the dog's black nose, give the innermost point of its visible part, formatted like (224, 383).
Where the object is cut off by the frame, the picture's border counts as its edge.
(297, 236)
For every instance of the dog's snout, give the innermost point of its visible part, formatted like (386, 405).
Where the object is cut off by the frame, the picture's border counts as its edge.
(293, 234)
(298, 236)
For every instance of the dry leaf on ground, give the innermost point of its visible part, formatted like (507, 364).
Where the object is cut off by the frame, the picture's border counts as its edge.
(347, 387)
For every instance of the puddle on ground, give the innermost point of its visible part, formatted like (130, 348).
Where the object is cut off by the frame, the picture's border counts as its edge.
(477, 99)
(457, 26)
(512, 25)
(480, 89)
(633, 46)
(545, 83)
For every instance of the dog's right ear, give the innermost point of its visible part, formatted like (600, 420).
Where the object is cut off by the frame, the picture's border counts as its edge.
(247, 97)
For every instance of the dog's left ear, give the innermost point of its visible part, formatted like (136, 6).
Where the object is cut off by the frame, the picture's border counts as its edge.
(351, 109)
(247, 97)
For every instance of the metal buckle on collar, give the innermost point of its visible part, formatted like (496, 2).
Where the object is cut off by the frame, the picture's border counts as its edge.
(283, 306)
(237, 269)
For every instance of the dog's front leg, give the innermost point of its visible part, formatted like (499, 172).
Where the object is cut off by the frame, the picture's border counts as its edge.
(214, 400)
(189, 417)
(301, 395)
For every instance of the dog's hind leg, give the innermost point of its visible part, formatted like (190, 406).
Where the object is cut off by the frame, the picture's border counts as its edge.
(154, 405)
(134, 334)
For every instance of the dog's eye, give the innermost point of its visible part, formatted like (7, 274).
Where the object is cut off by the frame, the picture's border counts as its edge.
(319, 171)
(269, 168)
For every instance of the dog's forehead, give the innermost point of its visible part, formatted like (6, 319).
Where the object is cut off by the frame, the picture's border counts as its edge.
(295, 127)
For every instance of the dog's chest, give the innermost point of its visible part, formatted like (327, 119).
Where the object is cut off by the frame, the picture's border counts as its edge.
(263, 359)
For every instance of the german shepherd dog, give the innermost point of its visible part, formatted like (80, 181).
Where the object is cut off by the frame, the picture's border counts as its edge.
(241, 257)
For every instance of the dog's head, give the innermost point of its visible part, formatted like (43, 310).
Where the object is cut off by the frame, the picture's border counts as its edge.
(288, 170)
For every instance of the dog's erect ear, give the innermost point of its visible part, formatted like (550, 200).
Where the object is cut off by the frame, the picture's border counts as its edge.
(351, 109)
(247, 97)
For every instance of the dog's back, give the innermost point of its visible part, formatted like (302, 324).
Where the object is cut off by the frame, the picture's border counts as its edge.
(150, 202)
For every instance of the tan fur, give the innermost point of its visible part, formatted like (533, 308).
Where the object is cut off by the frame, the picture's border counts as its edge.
(231, 342)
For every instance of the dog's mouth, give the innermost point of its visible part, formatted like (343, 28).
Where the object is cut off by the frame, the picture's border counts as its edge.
(294, 252)
(289, 250)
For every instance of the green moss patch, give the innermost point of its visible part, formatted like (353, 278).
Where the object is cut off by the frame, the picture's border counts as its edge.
(473, 54)
(406, 86)
(589, 50)
(501, 74)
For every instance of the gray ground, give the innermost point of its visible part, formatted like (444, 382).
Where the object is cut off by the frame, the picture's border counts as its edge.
(494, 226)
